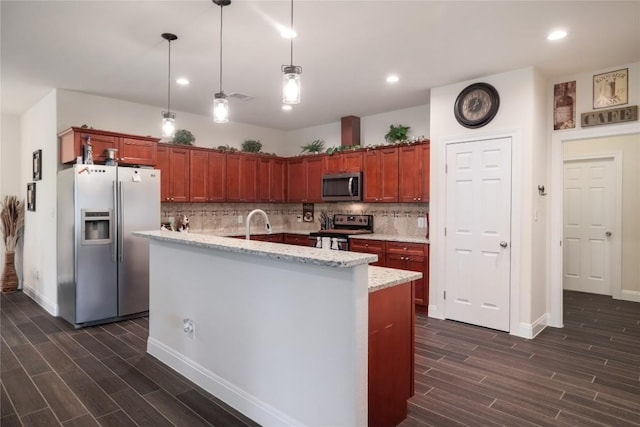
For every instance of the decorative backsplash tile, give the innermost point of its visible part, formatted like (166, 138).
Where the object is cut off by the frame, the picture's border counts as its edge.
(392, 218)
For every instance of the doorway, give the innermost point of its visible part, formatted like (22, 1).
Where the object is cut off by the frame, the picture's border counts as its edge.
(619, 157)
(478, 232)
(590, 214)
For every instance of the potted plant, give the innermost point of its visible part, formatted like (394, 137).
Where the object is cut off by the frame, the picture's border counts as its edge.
(397, 133)
(184, 137)
(315, 146)
(11, 222)
(252, 146)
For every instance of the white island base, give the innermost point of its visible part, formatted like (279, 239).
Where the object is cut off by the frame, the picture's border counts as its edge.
(280, 331)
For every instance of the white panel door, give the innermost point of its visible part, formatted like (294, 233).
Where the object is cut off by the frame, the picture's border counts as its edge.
(588, 222)
(478, 224)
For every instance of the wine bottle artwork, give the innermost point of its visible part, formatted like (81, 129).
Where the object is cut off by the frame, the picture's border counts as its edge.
(564, 106)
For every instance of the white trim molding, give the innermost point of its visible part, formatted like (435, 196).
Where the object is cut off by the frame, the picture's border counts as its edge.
(246, 403)
(531, 330)
(628, 295)
(49, 306)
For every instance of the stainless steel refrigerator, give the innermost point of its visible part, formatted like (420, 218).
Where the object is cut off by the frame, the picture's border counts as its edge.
(103, 270)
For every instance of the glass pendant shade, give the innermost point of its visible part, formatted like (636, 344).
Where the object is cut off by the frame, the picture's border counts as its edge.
(291, 85)
(168, 124)
(220, 108)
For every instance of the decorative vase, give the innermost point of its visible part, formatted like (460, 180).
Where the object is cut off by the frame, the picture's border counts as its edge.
(9, 275)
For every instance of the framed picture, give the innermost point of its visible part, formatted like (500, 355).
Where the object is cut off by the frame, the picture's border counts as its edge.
(37, 165)
(564, 105)
(31, 196)
(610, 89)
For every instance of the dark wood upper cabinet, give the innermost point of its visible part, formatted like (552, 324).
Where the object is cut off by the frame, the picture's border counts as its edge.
(207, 176)
(305, 178)
(380, 175)
(242, 170)
(173, 163)
(271, 179)
(132, 149)
(344, 162)
(414, 173)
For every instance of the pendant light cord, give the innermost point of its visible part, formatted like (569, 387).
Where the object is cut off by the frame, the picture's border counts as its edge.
(221, 9)
(291, 28)
(169, 82)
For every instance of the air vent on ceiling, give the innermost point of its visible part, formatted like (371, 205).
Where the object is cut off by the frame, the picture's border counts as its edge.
(240, 96)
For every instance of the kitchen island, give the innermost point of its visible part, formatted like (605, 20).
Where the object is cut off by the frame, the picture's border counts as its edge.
(280, 332)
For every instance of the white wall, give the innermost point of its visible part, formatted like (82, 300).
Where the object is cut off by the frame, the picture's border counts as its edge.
(372, 129)
(38, 131)
(519, 117)
(10, 178)
(282, 341)
(584, 103)
(76, 109)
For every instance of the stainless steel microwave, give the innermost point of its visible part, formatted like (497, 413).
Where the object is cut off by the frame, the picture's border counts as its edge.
(342, 187)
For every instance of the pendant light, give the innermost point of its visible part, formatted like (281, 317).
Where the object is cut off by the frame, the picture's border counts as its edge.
(169, 118)
(220, 102)
(291, 78)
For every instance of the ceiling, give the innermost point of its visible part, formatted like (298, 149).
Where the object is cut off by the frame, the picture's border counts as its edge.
(346, 49)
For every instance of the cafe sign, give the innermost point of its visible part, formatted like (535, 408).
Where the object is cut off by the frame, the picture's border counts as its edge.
(605, 117)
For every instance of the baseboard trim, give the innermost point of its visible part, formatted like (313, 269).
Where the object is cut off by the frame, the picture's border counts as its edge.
(229, 393)
(530, 330)
(45, 303)
(434, 312)
(629, 296)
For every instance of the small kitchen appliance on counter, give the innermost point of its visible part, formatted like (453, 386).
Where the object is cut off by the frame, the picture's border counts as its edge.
(344, 225)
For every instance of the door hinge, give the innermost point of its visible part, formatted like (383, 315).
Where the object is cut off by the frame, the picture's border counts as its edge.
(445, 294)
(446, 168)
(445, 232)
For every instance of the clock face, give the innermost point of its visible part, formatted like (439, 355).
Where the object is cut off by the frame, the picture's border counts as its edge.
(476, 105)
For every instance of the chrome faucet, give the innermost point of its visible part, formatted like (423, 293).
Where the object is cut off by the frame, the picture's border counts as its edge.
(266, 222)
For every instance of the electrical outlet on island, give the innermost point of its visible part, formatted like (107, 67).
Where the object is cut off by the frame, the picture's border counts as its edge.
(239, 219)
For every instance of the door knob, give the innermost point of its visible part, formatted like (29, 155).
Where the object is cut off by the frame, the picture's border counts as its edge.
(503, 244)
(608, 234)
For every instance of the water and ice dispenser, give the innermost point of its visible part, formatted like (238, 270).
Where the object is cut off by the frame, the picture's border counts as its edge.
(96, 226)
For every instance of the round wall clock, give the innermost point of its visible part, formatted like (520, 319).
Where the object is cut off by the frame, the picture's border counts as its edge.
(476, 105)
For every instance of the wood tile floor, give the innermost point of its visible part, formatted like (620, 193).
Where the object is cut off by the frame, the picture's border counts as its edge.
(586, 374)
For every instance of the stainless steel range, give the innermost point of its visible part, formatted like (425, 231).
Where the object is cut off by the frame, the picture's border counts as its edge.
(344, 225)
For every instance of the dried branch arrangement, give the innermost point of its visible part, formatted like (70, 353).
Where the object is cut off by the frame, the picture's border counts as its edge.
(11, 221)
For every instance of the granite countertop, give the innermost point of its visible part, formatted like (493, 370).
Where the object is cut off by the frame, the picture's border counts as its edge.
(382, 278)
(392, 238)
(277, 230)
(301, 254)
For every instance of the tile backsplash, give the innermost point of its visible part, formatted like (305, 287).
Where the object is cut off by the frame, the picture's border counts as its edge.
(388, 218)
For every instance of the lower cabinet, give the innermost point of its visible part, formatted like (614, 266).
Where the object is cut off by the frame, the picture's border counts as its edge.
(403, 256)
(369, 247)
(296, 239)
(391, 354)
(273, 238)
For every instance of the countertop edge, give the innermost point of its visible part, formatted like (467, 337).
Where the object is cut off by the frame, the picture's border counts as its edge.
(383, 277)
(300, 254)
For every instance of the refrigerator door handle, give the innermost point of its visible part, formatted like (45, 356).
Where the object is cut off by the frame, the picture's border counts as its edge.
(120, 243)
(114, 244)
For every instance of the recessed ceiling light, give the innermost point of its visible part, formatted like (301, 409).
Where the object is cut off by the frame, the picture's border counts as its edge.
(182, 81)
(288, 33)
(557, 35)
(392, 78)
(287, 107)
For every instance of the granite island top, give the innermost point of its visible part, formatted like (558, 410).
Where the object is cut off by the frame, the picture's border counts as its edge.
(301, 254)
(382, 278)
